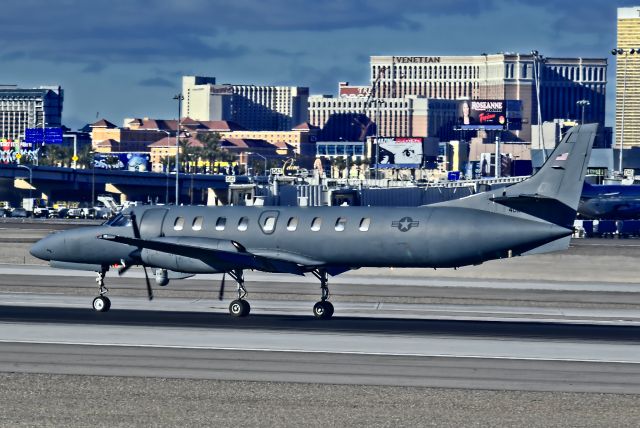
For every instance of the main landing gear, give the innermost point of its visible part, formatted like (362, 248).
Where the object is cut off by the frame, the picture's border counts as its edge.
(102, 302)
(323, 309)
(239, 307)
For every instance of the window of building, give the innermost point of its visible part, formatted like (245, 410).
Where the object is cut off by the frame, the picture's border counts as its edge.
(243, 224)
(292, 224)
(178, 224)
(220, 223)
(316, 223)
(340, 224)
(197, 223)
(364, 224)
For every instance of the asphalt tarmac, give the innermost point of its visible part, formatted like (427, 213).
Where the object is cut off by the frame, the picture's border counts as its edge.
(498, 347)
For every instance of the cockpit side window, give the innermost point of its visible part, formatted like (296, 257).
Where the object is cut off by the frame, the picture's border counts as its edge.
(119, 221)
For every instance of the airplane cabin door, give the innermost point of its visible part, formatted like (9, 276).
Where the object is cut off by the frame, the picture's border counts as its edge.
(151, 223)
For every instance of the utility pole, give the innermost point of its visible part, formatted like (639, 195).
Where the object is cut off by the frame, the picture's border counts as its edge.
(178, 97)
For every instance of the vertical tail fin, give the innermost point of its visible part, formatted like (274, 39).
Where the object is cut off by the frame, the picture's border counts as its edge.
(562, 176)
(553, 193)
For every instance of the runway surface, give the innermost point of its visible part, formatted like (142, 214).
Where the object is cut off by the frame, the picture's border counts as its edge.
(551, 340)
(511, 344)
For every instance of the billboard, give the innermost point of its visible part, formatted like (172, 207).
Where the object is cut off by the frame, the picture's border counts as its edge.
(489, 115)
(13, 151)
(122, 161)
(397, 152)
(488, 164)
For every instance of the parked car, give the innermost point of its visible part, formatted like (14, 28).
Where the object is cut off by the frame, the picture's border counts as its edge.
(62, 212)
(5, 212)
(19, 213)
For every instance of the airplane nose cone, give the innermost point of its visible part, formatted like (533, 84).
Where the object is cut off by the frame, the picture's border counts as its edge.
(45, 248)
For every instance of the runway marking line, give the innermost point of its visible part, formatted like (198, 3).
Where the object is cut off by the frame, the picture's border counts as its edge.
(301, 351)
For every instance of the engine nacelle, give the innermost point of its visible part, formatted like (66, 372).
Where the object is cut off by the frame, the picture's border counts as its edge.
(177, 263)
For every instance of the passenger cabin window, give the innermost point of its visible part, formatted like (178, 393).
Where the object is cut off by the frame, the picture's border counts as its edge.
(178, 224)
(364, 224)
(243, 224)
(316, 223)
(292, 224)
(269, 224)
(340, 224)
(220, 223)
(197, 223)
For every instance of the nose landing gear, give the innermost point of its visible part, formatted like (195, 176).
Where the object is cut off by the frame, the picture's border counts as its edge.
(102, 302)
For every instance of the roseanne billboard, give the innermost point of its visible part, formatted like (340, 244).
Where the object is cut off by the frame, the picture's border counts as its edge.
(489, 114)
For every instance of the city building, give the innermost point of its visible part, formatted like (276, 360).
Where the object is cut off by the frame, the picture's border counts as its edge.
(29, 108)
(106, 137)
(627, 127)
(301, 139)
(504, 76)
(275, 108)
(353, 118)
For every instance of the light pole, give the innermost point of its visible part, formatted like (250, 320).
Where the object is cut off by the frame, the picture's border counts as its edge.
(265, 161)
(537, 59)
(30, 178)
(93, 178)
(179, 98)
(626, 53)
(583, 104)
(166, 188)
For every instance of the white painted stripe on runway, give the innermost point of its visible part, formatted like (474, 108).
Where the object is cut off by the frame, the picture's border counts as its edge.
(291, 341)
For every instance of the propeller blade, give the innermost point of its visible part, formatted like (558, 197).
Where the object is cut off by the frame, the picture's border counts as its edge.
(134, 224)
(146, 277)
(221, 292)
(124, 269)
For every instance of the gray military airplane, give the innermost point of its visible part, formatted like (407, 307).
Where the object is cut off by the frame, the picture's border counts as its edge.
(533, 216)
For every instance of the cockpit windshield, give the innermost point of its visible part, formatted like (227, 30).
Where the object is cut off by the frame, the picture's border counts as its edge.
(119, 221)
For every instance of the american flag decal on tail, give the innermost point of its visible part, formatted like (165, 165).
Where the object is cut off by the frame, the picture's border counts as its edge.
(562, 157)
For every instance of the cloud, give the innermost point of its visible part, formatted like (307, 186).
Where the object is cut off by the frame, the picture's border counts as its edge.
(94, 67)
(157, 82)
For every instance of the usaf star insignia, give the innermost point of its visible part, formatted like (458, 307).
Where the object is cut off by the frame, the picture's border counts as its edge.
(405, 224)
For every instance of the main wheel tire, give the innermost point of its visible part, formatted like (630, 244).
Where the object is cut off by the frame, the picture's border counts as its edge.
(246, 308)
(329, 309)
(237, 308)
(323, 310)
(101, 304)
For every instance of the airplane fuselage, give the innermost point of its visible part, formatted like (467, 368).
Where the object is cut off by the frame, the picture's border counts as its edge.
(318, 236)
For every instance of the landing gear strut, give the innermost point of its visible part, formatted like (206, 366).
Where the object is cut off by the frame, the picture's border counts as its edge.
(239, 307)
(102, 302)
(323, 309)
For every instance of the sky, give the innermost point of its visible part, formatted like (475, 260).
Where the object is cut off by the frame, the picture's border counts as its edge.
(125, 58)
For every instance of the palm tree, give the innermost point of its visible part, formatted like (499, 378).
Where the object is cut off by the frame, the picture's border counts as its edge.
(186, 154)
(211, 150)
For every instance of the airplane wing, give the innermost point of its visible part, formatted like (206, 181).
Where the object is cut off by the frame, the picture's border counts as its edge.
(205, 251)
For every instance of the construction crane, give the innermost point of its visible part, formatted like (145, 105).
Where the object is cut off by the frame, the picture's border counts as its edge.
(364, 127)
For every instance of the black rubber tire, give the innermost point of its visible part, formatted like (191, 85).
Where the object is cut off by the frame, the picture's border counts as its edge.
(236, 307)
(246, 308)
(329, 309)
(323, 310)
(101, 304)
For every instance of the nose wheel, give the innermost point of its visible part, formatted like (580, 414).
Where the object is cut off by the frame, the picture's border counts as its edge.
(102, 302)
